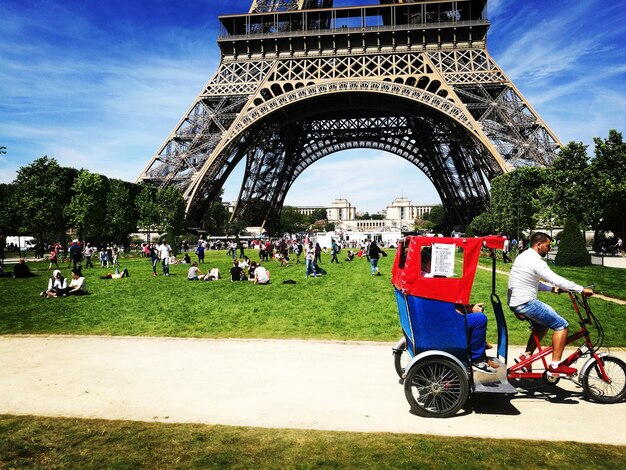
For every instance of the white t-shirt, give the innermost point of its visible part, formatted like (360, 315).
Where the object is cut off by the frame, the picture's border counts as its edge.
(261, 275)
(164, 251)
(526, 274)
(193, 272)
(80, 283)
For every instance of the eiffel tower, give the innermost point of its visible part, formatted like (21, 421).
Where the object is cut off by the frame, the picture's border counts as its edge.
(299, 80)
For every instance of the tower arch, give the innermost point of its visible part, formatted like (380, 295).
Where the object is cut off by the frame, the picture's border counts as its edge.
(297, 73)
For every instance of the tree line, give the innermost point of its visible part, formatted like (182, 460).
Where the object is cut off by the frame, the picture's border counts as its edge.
(46, 199)
(591, 189)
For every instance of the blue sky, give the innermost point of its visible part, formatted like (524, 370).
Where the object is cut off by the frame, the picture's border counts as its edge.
(100, 84)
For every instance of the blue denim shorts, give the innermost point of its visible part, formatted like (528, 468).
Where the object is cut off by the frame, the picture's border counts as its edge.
(542, 315)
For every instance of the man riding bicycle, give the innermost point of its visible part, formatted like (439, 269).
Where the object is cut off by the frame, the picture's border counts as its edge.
(525, 281)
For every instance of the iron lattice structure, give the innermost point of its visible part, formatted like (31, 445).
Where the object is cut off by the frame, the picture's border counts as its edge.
(299, 80)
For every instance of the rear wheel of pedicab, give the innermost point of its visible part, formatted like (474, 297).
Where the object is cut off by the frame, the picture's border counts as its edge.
(436, 387)
(401, 358)
(597, 389)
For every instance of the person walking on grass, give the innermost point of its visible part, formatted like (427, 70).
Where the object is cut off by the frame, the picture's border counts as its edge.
(374, 254)
(88, 252)
(164, 255)
(334, 249)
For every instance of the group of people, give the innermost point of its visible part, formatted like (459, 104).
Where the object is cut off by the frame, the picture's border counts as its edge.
(59, 287)
(245, 269)
(77, 253)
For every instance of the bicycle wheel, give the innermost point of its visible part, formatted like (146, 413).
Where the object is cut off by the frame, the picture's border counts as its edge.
(436, 387)
(401, 358)
(601, 391)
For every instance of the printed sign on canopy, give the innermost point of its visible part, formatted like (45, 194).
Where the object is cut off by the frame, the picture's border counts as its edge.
(443, 260)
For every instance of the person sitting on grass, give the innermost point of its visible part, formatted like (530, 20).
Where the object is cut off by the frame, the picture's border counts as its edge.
(236, 273)
(244, 263)
(350, 255)
(21, 270)
(194, 273)
(261, 275)
(213, 275)
(251, 269)
(77, 286)
(186, 259)
(55, 283)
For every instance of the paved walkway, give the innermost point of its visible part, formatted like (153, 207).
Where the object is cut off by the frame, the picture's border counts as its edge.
(270, 383)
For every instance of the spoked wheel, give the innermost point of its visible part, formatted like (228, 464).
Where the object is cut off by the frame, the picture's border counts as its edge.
(611, 391)
(436, 387)
(401, 358)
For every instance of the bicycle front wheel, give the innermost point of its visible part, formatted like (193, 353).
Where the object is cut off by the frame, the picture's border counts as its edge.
(612, 390)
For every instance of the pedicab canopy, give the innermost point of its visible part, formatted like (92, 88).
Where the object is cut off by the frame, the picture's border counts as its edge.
(439, 268)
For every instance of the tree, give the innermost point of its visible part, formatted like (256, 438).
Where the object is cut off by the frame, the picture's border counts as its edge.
(8, 213)
(518, 201)
(171, 212)
(568, 184)
(438, 218)
(86, 210)
(147, 209)
(120, 216)
(292, 220)
(482, 224)
(42, 190)
(215, 218)
(318, 214)
(572, 249)
(609, 183)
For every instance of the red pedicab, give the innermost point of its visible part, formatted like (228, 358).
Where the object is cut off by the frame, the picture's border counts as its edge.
(433, 357)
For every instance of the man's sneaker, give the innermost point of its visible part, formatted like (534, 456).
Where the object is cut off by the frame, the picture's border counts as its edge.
(483, 367)
(562, 369)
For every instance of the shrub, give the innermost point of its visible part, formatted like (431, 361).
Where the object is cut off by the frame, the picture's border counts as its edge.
(572, 249)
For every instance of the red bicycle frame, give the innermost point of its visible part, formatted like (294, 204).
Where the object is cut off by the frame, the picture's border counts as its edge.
(524, 370)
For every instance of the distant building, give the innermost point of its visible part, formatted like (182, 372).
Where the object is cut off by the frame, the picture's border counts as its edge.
(341, 209)
(399, 215)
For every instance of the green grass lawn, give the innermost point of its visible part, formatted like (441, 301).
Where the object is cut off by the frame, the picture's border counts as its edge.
(28, 442)
(347, 304)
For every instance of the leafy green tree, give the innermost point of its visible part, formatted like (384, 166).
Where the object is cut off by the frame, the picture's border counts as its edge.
(148, 215)
(518, 202)
(234, 227)
(86, 210)
(8, 213)
(120, 216)
(438, 218)
(572, 249)
(329, 227)
(42, 190)
(317, 214)
(292, 220)
(422, 224)
(171, 212)
(215, 218)
(482, 224)
(608, 180)
(568, 184)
